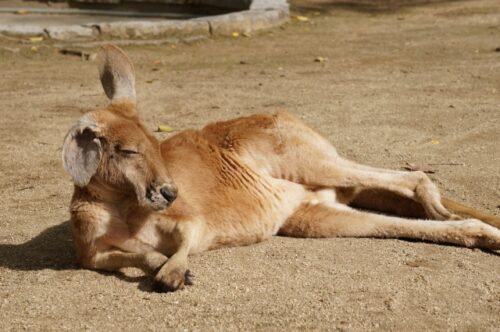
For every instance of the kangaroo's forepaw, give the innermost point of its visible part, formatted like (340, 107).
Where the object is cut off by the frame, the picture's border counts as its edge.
(172, 280)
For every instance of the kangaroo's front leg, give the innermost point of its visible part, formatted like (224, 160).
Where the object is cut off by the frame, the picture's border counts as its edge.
(110, 253)
(174, 274)
(114, 260)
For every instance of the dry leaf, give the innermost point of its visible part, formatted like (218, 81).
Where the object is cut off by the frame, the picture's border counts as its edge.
(320, 59)
(417, 167)
(302, 18)
(21, 12)
(35, 39)
(165, 129)
(34, 49)
(235, 34)
(434, 141)
(246, 34)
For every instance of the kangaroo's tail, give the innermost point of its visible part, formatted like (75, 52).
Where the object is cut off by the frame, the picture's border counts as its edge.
(466, 211)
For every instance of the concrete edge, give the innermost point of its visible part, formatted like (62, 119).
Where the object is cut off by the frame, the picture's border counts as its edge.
(246, 21)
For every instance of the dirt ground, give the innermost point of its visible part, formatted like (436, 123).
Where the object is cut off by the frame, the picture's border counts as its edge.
(399, 84)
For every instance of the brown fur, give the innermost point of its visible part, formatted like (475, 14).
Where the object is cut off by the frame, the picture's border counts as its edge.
(138, 201)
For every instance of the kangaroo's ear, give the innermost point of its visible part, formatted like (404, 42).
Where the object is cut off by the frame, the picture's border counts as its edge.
(82, 151)
(117, 74)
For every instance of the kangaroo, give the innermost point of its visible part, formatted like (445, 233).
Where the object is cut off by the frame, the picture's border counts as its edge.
(144, 203)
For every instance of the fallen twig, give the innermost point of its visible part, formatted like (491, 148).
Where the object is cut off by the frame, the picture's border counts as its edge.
(417, 167)
(81, 54)
(446, 164)
(26, 188)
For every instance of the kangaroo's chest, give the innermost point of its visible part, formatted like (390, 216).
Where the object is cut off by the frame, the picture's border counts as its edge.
(238, 201)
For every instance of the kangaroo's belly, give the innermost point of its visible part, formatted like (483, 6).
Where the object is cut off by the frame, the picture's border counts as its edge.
(240, 225)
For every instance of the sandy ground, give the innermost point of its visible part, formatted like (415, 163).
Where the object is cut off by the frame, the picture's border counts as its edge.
(414, 84)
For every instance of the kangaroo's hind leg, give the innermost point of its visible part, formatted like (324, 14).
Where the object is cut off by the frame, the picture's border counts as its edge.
(307, 158)
(338, 220)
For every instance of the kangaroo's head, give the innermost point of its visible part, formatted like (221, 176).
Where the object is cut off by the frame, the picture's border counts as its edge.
(110, 148)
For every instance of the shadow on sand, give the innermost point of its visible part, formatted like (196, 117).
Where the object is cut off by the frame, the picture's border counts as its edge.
(364, 6)
(51, 249)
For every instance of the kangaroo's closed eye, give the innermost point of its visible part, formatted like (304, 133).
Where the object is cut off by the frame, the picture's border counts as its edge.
(126, 151)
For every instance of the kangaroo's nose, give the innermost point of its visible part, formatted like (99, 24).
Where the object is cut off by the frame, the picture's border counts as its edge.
(168, 193)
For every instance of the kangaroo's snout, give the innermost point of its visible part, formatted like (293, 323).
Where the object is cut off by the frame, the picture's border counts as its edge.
(161, 197)
(169, 193)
